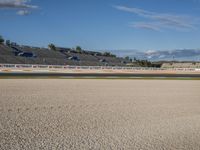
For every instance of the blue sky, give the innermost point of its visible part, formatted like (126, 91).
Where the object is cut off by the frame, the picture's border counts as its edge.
(103, 24)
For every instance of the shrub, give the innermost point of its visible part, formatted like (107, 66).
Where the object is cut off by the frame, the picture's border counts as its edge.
(52, 47)
(8, 43)
(1, 40)
(78, 49)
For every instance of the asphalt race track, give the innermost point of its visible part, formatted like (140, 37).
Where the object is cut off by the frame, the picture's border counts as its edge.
(99, 75)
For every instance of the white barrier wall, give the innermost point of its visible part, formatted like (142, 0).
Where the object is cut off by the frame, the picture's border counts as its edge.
(67, 67)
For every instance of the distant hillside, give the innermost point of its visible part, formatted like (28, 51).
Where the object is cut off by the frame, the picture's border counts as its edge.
(178, 55)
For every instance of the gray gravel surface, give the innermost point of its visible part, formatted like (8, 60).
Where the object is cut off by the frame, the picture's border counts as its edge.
(99, 114)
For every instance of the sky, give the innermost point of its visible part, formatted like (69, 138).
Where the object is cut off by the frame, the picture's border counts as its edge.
(103, 24)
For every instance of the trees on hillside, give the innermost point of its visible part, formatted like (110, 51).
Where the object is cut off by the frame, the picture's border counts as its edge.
(52, 47)
(1, 40)
(78, 49)
(143, 63)
(108, 54)
(8, 43)
(128, 58)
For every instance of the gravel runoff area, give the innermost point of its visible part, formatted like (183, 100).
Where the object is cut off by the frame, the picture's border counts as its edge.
(99, 114)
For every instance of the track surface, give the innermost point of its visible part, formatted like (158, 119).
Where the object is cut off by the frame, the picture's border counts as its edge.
(101, 75)
(99, 114)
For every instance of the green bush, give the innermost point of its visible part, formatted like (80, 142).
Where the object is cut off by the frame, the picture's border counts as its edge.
(52, 47)
(1, 40)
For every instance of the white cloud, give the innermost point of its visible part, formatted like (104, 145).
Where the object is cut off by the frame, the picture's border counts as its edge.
(150, 26)
(23, 6)
(23, 12)
(16, 4)
(159, 21)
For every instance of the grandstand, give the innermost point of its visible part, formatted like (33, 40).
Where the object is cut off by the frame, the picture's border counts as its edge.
(15, 54)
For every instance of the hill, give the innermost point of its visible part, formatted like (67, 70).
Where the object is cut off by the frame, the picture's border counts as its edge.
(167, 55)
